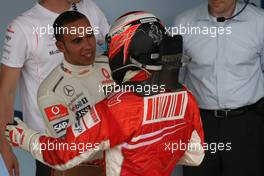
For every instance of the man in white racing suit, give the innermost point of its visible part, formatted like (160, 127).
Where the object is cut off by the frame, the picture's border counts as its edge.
(142, 133)
(75, 85)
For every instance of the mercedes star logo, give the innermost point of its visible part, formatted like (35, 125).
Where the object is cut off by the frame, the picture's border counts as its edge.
(68, 90)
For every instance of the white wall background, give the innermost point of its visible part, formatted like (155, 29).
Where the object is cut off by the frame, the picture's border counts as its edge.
(164, 9)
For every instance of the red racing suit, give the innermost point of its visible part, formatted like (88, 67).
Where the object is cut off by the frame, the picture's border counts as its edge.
(140, 135)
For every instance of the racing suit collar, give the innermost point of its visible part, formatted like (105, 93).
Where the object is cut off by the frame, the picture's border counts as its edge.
(76, 70)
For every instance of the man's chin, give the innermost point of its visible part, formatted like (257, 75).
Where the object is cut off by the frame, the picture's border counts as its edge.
(216, 10)
(88, 61)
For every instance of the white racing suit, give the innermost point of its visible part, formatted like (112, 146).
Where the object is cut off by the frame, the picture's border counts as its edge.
(69, 91)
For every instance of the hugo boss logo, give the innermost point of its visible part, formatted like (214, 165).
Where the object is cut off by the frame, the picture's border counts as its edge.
(68, 90)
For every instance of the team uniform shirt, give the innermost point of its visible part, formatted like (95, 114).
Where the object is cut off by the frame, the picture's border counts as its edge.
(30, 45)
(137, 133)
(69, 91)
(225, 71)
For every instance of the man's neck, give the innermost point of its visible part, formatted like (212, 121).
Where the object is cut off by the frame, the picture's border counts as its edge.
(57, 6)
(227, 14)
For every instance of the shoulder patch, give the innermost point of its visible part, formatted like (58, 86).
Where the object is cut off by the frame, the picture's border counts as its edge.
(56, 112)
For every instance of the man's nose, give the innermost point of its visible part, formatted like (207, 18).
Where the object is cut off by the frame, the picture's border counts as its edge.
(88, 43)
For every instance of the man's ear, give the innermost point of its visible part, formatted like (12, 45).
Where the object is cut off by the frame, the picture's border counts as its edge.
(60, 46)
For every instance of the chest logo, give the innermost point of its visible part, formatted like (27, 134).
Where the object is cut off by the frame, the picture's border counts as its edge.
(105, 73)
(68, 90)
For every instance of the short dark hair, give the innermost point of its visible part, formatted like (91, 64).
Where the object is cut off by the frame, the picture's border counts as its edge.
(63, 19)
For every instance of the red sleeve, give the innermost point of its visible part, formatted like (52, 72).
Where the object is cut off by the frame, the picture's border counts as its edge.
(109, 123)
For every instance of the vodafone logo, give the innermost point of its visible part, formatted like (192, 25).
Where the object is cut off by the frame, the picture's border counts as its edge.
(105, 73)
(55, 110)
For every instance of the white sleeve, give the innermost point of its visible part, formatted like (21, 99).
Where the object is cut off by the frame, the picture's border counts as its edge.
(15, 50)
(194, 155)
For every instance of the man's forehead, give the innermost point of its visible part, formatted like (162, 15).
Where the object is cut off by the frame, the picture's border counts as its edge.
(77, 29)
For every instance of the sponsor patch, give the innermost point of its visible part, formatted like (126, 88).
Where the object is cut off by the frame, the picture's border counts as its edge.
(78, 127)
(86, 122)
(92, 118)
(56, 112)
(61, 126)
(165, 107)
(79, 104)
(82, 112)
